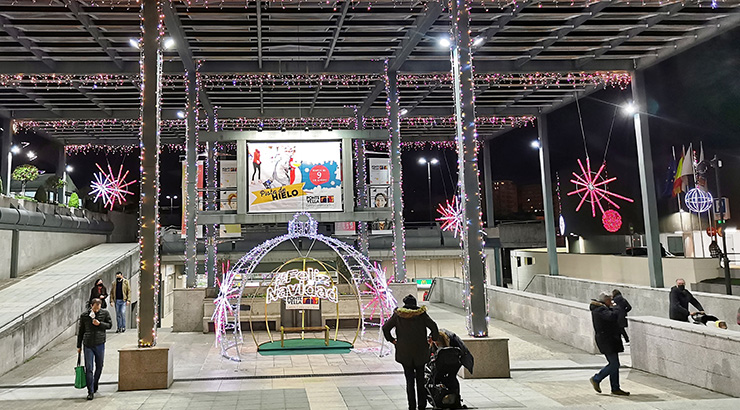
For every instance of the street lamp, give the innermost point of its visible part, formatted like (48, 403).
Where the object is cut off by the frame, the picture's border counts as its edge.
(717, 164)
(171, 198)
(433, 161)
(14, 150)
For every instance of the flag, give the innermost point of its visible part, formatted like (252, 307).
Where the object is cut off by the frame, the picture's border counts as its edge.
(667, 183)
(687, 169)
(677, 179)
(701, 171)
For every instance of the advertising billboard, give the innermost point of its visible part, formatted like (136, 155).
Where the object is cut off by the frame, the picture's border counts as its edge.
(294, 176)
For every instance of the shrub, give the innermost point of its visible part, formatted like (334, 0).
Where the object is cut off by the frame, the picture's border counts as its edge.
(41, 195)
(74, 200)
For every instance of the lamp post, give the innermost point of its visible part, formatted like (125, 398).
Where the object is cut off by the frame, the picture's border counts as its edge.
(717, 164)
(433, 161)
(171, 198)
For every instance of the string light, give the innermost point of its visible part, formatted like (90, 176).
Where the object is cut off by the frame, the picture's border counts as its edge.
(399, 232)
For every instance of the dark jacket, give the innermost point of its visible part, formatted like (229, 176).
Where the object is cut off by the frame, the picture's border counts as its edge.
(89, 334)
(606, 326)
(466, 358)
(624, 307)
(95, 294)
(412, 346)
(680, 299)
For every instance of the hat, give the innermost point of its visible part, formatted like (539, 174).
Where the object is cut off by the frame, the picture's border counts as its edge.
(409, 301)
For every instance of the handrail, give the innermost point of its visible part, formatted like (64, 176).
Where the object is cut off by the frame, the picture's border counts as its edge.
(43, 304)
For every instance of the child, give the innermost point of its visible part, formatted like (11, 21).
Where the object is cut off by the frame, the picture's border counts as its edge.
(623, 307)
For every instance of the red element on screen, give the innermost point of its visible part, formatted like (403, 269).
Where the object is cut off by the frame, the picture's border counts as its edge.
(319, 175)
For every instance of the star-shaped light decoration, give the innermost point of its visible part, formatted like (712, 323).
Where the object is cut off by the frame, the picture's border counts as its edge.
(228, 292)
(452, 216)
(591, 186)
(383, 299)
(110, 187)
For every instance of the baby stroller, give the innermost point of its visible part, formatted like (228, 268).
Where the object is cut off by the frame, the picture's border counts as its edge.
(440, 375)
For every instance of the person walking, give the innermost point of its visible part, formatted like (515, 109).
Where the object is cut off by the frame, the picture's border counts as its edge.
(120, 297)
(412, 346)
(624, 307)
(91, 336)
(606, 326)
(679, 302)
(99, 292)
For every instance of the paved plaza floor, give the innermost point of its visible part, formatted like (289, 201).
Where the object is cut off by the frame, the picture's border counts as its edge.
(545, 375)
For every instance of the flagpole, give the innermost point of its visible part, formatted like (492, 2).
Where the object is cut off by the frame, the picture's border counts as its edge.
(678, 196)
(701, 237)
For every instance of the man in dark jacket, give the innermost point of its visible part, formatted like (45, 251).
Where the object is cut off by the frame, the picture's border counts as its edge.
(624, 307)
(91, 334)
(608, 340)
(679, 300)
(412, 348)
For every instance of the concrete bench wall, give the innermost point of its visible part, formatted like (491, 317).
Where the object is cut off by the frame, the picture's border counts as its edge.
(644, 300)
(561, 320)
(699, 355)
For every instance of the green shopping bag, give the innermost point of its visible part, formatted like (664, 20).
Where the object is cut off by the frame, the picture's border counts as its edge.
(80, 378)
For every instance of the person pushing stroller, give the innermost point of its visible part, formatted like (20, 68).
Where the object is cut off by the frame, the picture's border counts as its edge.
(449, 353)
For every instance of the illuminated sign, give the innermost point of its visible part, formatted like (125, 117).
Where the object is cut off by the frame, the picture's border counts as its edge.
(295, 285)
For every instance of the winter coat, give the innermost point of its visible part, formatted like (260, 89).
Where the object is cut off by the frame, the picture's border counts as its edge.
(466, 358)
(89, 334)
(608, 333)
(679, 308)
(126, 291)
(412, 346)
(95, 294)
(624, 307)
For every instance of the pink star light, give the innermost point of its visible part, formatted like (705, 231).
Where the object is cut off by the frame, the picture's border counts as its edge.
(452, 216)
(110, 187)
(591, 186)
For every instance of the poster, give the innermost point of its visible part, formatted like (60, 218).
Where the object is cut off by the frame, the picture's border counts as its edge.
(380, 197)
(345, 228)
(184, 185)
(380, 171)
(294, 176)
(227, 197)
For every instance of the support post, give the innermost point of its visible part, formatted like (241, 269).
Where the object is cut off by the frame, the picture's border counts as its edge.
(6, 157)
(647, 180)
(546, 180)
(61, 172)
(191, 179)
(211, 229)
(488, 185)
(467, 147)
(14, 249)
(361, 188)
(151, 64)
(399, 234)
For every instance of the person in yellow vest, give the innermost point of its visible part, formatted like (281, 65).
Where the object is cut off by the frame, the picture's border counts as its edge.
(120, 296)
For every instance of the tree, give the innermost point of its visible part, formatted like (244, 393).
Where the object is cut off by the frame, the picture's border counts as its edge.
(41, 195)
(25, 174)
(74, 200)
(55, 184)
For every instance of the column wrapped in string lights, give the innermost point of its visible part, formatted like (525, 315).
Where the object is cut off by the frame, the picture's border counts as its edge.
(394, 126)
(191, 178)
(472, 236)
(361, 187)
(211, 195)
(152, 29)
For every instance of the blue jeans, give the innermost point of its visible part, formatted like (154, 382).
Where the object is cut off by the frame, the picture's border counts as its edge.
(94, 355)
(611, 370)
(120, 314)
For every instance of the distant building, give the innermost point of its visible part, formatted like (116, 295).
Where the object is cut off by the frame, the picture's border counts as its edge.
(505, 199)
(530, 199)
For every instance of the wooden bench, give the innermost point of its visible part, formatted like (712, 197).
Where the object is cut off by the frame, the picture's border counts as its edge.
(284, 330)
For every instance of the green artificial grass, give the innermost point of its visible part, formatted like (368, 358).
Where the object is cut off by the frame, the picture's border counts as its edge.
(305, 346)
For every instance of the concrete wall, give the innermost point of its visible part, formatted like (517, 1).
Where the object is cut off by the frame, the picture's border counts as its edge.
(38, 248)
(41, 326)
(697, 355)
(541, 314)
(644, 300)
(610, 268)
(125, 227)
(188, 310)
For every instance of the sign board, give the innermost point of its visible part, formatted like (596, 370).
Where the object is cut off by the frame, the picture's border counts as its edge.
(721, 205)
(294, 176)
(380, 171)
(296, 285)
(227, 200)
(345, 228)
(302, 303)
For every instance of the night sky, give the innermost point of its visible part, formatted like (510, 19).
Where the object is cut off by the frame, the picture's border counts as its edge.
(693, 97)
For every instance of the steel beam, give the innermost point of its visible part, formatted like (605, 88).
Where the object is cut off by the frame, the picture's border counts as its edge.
(546, 181)
(95, 100)
(362, 201)
(337, 31)
(29, 45)
(259, 34)
(399, 241)
(418, 100)
(647, 180)
(6, 157)
(37, 99)
(84, 19)
(191, 180)
(508, 13)
(488, 185)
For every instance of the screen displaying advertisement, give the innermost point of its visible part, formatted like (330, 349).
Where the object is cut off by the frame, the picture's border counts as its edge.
(294, 176)
(227, 200)
(380, 171)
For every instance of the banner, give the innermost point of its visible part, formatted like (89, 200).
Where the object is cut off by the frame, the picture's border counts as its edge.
(294, 176)
(380, 171)
(345, 228)
(227, 200)
(184, 195)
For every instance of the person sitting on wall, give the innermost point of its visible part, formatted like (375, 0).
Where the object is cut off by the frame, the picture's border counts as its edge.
(679, 302)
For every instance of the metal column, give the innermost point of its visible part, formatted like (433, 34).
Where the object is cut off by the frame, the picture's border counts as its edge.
(151, 70)
(488, 185)
(647, 180)
(61, 172)
(6, 157)
(191, 180)
(361, 188)
(399, 240)
(211, 229)
(546, 180)
(472, 235)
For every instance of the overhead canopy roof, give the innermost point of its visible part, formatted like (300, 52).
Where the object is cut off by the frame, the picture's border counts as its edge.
(305, 60)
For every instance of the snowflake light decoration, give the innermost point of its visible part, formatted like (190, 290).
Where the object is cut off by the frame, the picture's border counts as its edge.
(452, 216)
(612, 220)
(383, 299)
(111, 187)
(591, 186)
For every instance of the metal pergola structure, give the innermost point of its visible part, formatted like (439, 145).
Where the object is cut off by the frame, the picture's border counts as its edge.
(71, 69)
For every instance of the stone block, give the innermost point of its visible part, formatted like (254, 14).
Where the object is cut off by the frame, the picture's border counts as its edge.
(187, 310)
(148, 368)
(491, 356)
(400, 290)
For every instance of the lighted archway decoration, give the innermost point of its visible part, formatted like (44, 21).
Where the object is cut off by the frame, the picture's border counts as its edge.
(698, 201)
(227, 313)
(612, 220)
